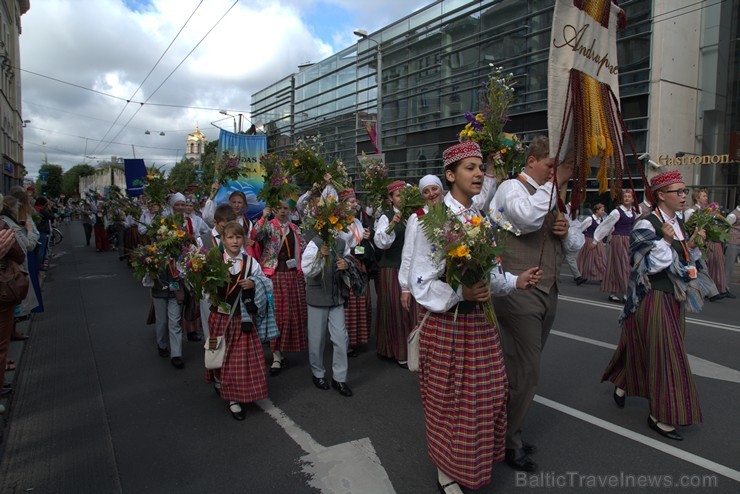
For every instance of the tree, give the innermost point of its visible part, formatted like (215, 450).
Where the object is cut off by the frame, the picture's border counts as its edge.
(52, 187)
(208, 160)
(71, 178)
(181, 175)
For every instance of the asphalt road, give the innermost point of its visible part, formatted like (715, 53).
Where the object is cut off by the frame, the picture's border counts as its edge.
(96, 410)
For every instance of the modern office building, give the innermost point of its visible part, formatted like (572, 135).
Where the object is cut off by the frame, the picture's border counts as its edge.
(678, 66)
(11, 116)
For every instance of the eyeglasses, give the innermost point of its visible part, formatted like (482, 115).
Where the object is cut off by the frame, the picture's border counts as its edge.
(679, 192)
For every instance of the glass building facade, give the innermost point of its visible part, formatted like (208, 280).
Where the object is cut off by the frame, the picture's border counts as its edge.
(433, 63)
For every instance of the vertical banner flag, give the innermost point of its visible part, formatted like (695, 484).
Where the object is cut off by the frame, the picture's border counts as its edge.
(249, 148)
(583, 112)
(135, 171)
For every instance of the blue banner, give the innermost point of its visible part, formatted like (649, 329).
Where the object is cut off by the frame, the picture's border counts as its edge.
(250, 148)
(135, 171)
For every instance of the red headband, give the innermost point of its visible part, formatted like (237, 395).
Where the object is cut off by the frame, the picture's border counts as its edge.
(346, 193)
(664, 179)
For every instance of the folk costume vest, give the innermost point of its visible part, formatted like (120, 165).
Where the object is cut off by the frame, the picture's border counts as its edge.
(522, 252)
(660, 281)
(391, 257)
(323, 290)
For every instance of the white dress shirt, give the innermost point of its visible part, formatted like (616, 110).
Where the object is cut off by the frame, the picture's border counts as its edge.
(426, 269)
(525, 211)
(384, 240)
(408, 252)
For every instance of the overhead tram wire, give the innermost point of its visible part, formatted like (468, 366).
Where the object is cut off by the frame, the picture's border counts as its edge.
(91, 139)
(145, 79)
(171, 73)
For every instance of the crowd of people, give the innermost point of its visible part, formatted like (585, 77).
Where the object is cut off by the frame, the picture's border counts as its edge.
(30, 219)
(477, 377)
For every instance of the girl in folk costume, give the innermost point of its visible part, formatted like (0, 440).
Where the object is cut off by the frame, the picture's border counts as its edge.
(619, 224)
(238, 202)
(733, 246)
(461, 365)
(242, 377)
(592, 257)
(432, 192)
(650, 360)
(358, 310)
(392, 322)
(280, 243)
(715, 250)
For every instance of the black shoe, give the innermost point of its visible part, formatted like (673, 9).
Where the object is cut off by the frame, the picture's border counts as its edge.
(443, 487)
(580, 280)
(177, 363)
(320, 383)
(614, 298)
(342, 388)
(238, 415)
(519, 460)
(669, 434)
(529, 448)
(717, 297)
(163, 352)
(728, 294)
(352, 353)
(277, 366)
(619, 400)
(194, 337)
(403, 365)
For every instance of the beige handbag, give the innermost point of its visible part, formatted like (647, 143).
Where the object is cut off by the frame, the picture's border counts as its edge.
(413, 345)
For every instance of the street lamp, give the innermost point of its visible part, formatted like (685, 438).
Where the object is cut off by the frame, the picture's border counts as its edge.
(26, 122)
(148, 133)
(362, 34)
(223, 112)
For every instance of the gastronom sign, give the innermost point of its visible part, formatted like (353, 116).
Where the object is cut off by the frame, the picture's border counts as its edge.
(713, 159)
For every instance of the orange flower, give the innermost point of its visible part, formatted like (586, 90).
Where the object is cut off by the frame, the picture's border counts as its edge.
(333, 219)
(459, 251)
(475, 221)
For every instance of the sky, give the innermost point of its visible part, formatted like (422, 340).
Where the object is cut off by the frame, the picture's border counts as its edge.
(82, 60)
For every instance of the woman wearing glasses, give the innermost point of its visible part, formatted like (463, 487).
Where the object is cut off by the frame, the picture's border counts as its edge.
(650, 360)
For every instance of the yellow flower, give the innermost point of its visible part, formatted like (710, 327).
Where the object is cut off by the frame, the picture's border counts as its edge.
(331, 198)
(333, 219)
(161, 222)
(475, 221)
(152, 248)
(149, 177)
(480, 118)
(459, 251)
(319, 224)
(180, 233)
(340, 227)
(296, 163)
(351, 219)
(503, 151)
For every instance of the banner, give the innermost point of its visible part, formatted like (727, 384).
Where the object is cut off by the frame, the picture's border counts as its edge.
(249, 148)
(135, 171)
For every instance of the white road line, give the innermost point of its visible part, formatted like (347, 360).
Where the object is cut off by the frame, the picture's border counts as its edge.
(647, 441)
(699, 366)
(691, 320)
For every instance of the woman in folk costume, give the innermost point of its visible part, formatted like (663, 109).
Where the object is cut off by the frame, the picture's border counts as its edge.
(432, 192)
(392, 323)
(650, 360)
(715, 250)
(242, 377)
(619, 224)
(461, 365)
(592, 257)
(357, 310)
(280, 244)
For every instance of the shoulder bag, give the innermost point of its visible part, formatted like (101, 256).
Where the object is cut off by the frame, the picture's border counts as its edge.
(413, 345)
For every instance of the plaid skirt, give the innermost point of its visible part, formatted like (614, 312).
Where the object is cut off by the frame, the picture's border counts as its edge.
(132, 239)
(243, 375)
(650, 360)
(357, 319)
(617, 266)
(716, 265)
(291, 311)
(592, 260)
(464, 391)
(393, 322)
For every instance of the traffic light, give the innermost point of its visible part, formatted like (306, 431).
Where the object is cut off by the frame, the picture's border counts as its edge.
(43, 190)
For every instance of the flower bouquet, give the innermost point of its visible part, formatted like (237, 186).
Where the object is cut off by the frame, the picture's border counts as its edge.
(308, 167)
(411, 202)
(374, 180)
(328, 218)
(504, 152)
(278, 186)
(205, 271)
(169, 235)
(147, 261)
(712, 222)
(468, 248)
(155, 186)
(228, 168)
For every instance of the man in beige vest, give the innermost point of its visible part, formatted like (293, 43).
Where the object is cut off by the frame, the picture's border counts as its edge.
(525, 318)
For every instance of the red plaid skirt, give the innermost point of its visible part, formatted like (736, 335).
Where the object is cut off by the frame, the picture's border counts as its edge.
(291, 312)
(243, 376)
(393, 322)
(464, 391)
(592, 260)
(357, 318)
(617, 266)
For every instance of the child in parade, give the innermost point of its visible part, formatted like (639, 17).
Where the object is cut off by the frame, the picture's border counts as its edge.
(715, 250)
(619, 224)
(242, 377)
(650, 360)
(592, 257)
(392, 323)
(461, 365)
(238, 202)
(279, 241)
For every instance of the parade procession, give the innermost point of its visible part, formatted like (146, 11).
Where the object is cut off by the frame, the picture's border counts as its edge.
(393, 281)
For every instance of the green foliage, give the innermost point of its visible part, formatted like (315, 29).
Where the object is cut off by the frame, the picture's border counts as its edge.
(182, 175)
(71, 178)
(53, 184)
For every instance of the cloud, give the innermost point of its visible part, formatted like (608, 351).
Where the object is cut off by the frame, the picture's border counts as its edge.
(111, 45)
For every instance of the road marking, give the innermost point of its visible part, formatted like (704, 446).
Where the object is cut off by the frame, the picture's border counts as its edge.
(97, 276)
(348, 467)
(647, 441)
(699, 366)
(691, 320)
